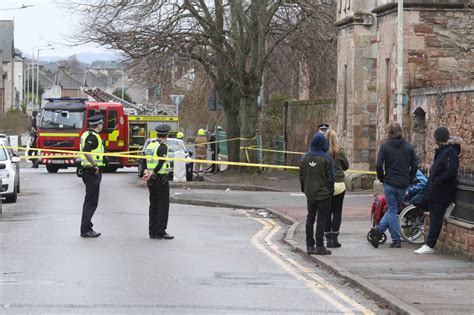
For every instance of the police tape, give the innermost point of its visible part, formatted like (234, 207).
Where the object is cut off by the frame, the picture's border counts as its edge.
(70, 154)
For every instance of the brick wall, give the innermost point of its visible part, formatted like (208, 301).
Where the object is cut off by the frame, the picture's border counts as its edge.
(456, 238)
(452, 107)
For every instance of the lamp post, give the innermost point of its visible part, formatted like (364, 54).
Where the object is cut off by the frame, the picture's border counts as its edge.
(20, 89)
(37, 72)
(400, 64)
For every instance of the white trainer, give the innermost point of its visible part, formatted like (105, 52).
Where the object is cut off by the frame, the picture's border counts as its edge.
(425, 249)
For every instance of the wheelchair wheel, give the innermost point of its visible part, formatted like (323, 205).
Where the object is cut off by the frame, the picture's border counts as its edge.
(411, 222)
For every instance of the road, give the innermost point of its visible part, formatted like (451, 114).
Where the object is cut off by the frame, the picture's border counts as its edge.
(222, 261)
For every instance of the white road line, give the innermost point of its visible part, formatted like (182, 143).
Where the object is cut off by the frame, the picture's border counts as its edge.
(314, 286)
(313, 275)
(346, 196)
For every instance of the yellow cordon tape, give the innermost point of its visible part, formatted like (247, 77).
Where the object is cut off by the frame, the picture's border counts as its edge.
(70, 154)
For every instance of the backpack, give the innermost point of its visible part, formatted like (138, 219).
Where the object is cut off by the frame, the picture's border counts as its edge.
(379, 207)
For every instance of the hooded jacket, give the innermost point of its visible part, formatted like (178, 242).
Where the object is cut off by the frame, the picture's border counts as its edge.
(317, 170)
(441, 186)
(396, 163)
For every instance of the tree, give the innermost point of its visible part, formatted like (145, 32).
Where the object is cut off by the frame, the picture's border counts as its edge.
(126, 97)
(231, 40)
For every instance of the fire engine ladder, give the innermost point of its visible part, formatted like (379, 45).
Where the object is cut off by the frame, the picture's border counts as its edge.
(104, 96)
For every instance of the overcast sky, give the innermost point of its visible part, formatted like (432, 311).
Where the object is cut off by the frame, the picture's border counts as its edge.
(43, 23)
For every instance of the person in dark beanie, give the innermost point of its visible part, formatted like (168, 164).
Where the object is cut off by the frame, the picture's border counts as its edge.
(317, 183)
(440, 189)
(396, 168)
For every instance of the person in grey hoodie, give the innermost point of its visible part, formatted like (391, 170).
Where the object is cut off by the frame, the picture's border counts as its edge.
(317, 183)
(396, 168)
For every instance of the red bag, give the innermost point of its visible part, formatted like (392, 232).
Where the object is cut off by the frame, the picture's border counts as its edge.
(379, 207)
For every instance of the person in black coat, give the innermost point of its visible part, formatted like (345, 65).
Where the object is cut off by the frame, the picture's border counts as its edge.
(440, 189)
(396, 168)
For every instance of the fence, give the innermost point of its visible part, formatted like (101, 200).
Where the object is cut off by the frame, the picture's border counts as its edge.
(464, 210)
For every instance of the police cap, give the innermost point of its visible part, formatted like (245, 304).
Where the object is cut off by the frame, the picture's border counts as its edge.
(323, 126)
(95, 120)
(162, 130)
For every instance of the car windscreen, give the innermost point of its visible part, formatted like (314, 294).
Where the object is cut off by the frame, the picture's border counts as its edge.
(3, 154)
(175, 145)
(59, 119)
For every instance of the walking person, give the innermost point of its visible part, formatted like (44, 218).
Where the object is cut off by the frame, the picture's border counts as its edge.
(33, 141)
(317, 183)
(158, 185)
(396, 167)
(214, 150)
(440, 189)
(341, 164)
(201, 151)
(92, 174)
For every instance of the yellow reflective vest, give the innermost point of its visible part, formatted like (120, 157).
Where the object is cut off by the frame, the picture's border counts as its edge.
(98, 158)
(152, 158)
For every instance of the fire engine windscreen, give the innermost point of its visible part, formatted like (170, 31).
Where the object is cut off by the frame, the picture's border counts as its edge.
(62, 119)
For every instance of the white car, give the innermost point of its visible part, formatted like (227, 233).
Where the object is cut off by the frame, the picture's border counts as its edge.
(9, 174)
(173, 146)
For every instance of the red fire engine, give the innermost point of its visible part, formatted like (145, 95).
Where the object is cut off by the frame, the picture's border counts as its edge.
(63, 121)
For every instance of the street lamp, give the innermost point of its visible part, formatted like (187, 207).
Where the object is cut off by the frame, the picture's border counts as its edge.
(20, 88)
(37, 72)
(23, 6)
(33, 70)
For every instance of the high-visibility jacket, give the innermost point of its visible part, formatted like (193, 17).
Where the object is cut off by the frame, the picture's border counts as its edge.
(152, 158)
(98, 159)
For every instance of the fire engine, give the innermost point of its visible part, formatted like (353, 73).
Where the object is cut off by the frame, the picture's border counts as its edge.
(126, 127)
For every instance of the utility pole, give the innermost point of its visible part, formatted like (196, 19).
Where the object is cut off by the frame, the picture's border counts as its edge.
(400, 64)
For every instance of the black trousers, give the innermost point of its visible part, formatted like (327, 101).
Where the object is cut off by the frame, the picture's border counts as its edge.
(321, 207)
(437, 211)
(333, 222)
(159, 190)
(91, 200)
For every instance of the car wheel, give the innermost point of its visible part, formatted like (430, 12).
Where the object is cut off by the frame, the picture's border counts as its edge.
(52, 168)
(11, 198)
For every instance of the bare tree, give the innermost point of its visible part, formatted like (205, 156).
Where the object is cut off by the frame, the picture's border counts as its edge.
(231, 40)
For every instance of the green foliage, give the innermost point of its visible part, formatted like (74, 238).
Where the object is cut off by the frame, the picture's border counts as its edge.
(126, 97)
(14, 122)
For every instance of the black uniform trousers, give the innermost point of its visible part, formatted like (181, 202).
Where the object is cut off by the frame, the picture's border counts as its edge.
(322, 208)
(159, 189)
(91, 200)
(437, 210)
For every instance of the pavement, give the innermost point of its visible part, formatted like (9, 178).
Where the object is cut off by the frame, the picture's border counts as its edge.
(406, 283)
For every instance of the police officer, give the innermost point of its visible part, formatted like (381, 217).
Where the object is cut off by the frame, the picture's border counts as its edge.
(323, 128)
(158, 185)
(91, 176)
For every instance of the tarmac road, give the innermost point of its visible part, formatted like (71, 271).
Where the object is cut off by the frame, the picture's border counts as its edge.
(222, 260)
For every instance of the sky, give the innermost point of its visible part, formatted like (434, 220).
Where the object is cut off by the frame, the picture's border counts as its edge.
(43, 23)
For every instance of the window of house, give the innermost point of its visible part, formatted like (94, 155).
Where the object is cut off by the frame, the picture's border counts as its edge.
(388, 84)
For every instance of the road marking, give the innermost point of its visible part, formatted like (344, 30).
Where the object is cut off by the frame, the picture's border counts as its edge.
(297, 194)
(346, 196)
(316, 283)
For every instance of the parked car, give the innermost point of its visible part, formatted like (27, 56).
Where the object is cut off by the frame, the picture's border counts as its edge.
(173, 146)
(9, 174)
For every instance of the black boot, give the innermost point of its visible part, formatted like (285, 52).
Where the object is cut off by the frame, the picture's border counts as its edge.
(321, 250)
(329, 240)
(310, 250)
(334, 240)
(396, 244)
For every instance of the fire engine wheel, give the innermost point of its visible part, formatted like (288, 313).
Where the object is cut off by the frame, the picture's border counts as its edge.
(52, 168)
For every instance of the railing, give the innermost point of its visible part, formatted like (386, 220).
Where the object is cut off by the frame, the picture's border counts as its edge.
(464, 210)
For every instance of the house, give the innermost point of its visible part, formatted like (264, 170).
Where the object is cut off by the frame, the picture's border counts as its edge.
(7, 66)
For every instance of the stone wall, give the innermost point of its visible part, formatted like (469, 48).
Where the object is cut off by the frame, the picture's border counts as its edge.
(452, 107)
(302, 120)
(356, 94)
(455, 238)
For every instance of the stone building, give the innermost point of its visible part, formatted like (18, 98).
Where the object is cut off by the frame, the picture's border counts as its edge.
(438, 74)
(7, 69)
